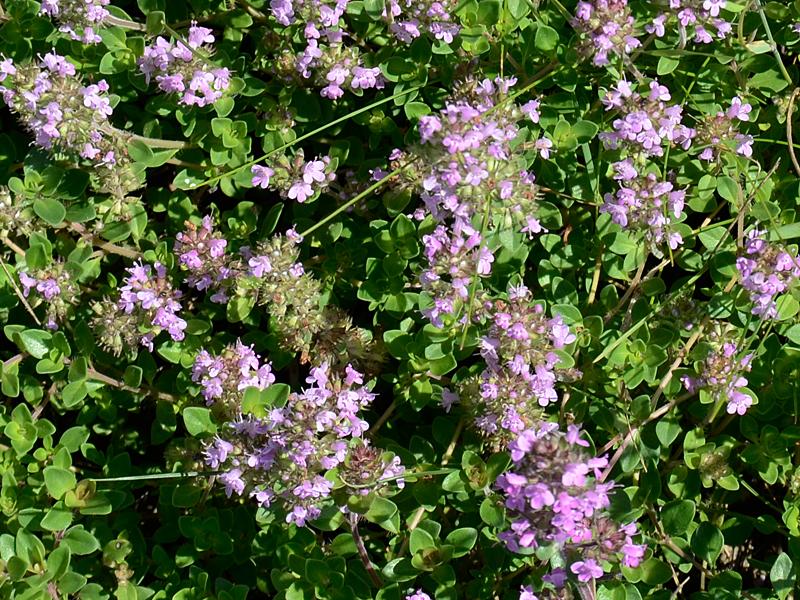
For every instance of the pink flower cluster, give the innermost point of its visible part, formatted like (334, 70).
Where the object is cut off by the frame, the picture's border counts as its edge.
(520, 374)
(326, 59)
(78, 18)
(284, 455)
(645, 204)
(296, 180)
(223, 377)
(455, 257)
(148, 294)
(464, 170)
(466, 158)
(202, 251)
(720, 132)
(645, 127)
(766, 270)
(185, 70)
(554, 497)
(47, 286)
(646, 122)
(721, 375)
(409, 19)
(62, 114)
(693, 16)
(607, 27)
(56, 288)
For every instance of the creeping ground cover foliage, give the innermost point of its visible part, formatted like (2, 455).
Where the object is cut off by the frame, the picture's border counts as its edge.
(399, 299)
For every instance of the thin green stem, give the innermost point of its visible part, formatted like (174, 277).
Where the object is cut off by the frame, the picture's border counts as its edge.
(772, 43)
(352, 201)
(153, 476)
(151, 142)
(305, 136)
(124, 23)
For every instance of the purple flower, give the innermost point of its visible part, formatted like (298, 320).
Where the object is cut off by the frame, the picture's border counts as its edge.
(261, 176)
(526, 593)
(448, 399)
(586, 570)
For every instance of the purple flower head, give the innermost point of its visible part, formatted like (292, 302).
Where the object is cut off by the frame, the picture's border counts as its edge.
(586, 570)
(261, 176)
(554, 498)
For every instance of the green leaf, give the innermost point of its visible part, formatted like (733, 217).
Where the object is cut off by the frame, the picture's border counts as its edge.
(50, 210)
(421, 540)
(462, 540)
(414, 110)
(759, 46)
(676, 516)
(782, 576)
(58, 481)
(58, 562)
(546, 38)
(488, 12)
(198, 421)
(654, 571)
(277, 395)
(492, 513)
(57, 519)
(73, 437)
(34, 342)
(728, 189)
(666, 65)
(155, 22)
(707, 542)
(381, 509)
(73, 393)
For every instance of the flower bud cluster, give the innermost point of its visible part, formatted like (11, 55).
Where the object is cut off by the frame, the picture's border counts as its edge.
(294, 301)
(223, 377)
(645, 204)
(607, 28)
(201, 251)
(766, 270)
(325, 60)
(693, 16)
(409, 19)
(272, 275)
(283, 456)
(554, 496)
(79, 18)
(68, 118)
(521, 373)
(296, 179)
(54, 286)
(16, 214)
(292, 296)
(720, 374)
(366, 469)
(186, 70)
(719, 133)
(149, 297)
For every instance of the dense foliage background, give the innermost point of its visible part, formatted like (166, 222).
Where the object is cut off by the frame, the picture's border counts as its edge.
(375, 299)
